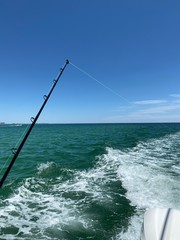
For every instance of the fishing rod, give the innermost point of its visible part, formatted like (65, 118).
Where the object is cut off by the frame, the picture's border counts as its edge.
(33, 120)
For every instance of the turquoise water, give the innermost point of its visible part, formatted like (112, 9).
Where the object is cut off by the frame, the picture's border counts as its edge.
(87, 181)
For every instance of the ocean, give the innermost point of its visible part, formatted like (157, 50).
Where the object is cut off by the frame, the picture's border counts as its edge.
(87, 181)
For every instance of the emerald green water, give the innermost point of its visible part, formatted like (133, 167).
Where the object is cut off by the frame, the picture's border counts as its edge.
(87, 181)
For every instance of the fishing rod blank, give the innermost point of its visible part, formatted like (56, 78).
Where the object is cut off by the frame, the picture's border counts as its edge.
(33, 120)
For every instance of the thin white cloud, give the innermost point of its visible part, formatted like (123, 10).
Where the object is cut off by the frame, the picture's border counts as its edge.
(150, 111)
(149, 102)
(177, 101)
(162, 109)
(175, 95)
(136, 117)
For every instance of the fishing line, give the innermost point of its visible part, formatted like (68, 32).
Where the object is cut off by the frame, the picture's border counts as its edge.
(15, 147)
(102, 84)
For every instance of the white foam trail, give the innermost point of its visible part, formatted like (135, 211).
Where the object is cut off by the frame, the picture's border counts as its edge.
(44, 166)
(132, 233)
(31, 209)
(148, 172)
(34, 212)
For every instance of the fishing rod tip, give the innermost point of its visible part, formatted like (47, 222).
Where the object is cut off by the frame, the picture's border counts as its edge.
(67, 61)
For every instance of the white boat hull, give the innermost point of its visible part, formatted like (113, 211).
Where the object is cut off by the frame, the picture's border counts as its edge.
(161, 224)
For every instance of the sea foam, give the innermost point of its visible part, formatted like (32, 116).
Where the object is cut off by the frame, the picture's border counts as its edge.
(40, 207)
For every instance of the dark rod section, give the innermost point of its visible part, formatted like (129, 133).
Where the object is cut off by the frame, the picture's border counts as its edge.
(34, 120)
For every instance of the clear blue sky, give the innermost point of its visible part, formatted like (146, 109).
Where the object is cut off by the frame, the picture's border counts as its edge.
(130, 46)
